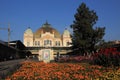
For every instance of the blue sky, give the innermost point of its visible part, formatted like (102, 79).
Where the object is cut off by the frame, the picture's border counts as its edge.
(22, 14)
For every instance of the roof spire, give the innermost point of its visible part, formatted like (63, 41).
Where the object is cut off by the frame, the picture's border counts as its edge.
(66, 29)
(29, 27)
(46, 22)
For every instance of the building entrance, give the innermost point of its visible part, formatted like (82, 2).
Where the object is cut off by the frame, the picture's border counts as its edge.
(45, 55)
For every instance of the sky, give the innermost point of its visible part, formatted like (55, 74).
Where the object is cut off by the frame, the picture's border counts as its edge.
(21, 14)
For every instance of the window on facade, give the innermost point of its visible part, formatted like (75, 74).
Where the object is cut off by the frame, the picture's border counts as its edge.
(28, 43)
(67, 43)
(35, 43)
(57, 43)
(38, 43)
(47, 42)
(50, 42)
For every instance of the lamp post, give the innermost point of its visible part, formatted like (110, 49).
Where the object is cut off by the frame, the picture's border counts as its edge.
(8, 29)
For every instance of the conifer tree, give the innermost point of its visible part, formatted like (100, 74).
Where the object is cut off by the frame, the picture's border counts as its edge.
(85, 36)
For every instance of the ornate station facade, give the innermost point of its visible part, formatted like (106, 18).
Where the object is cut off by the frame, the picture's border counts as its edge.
(46, 42)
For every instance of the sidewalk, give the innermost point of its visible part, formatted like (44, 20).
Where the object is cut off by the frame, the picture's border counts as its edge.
(7, 67)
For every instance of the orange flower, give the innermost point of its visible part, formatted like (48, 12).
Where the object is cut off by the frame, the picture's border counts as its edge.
(60, 71)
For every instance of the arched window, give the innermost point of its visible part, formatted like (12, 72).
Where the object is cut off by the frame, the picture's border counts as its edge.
(28, 43)
(57, 43)
(35, 43)
(47, 42)
(50, 42)
(67, 43)
(38, 43)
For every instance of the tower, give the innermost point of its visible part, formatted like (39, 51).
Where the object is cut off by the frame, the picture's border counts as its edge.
(66, 38)
(28, 38)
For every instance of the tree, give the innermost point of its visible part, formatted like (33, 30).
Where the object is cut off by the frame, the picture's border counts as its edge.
(85, 36)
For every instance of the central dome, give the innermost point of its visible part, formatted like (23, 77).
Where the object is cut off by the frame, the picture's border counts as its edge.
(47, 28)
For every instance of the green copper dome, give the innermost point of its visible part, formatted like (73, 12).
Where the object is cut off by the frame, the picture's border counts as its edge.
(29, 31)
(66, 32)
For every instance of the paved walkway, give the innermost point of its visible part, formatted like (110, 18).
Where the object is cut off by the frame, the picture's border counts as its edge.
(7, 67)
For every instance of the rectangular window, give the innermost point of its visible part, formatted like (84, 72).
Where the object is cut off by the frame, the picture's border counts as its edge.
(28, 43)
(56, 43)
(38, 43)
(35, 43)
(45, 42)
(59, 43)
(67, 44)
(50, 42)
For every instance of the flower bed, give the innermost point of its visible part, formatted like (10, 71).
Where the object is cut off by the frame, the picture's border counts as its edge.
(63, 71)
(75, 59)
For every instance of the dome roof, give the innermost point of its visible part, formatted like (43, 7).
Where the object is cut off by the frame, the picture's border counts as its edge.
(66, 32)
(28, 31)
(47, 28)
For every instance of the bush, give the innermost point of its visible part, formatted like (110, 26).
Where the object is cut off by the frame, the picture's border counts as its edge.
(75, 59)
(107, 57)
